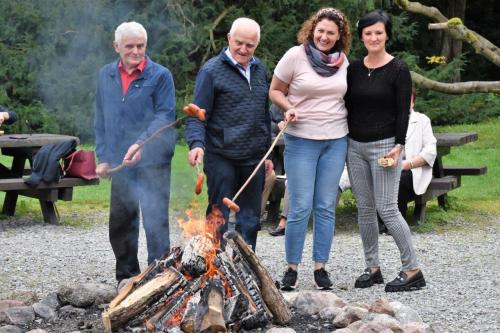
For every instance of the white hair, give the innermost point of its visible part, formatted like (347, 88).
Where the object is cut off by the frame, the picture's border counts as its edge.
(245, 22)
(130, 29)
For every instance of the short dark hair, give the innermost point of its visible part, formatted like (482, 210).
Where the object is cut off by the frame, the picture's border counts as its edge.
(374, 17)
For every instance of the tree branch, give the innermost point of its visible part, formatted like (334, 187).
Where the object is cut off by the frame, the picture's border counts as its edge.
(216, 23)
(455, 28)
(458, 87)
(211, 32)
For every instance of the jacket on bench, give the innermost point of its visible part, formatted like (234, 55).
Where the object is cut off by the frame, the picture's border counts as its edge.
(46, 166)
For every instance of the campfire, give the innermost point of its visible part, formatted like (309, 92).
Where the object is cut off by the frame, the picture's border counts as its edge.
(200, 288)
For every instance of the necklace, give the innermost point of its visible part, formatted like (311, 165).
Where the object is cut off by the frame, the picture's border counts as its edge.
(371, 70)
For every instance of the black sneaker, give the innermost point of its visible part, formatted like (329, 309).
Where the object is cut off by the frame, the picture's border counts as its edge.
(368, 279)
(322, 279)
(289, 281)
(403, 283)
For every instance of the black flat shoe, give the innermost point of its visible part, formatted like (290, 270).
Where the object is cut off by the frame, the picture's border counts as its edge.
(368, 279)
(277, 232)
(403, 283)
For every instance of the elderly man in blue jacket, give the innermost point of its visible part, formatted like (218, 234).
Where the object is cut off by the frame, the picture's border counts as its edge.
(232, 87)
(135, 96)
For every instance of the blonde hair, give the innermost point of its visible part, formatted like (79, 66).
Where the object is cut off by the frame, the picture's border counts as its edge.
(332, 14)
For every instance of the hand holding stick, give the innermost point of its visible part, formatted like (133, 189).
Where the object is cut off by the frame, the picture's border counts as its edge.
(190, 110)
(231, 203)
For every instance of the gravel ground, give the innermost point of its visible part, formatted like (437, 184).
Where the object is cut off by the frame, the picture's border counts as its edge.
(461, 268)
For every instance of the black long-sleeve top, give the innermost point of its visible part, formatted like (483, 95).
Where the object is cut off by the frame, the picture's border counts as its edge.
(378, 105)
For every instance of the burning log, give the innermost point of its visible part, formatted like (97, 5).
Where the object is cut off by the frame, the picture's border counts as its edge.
(210, 309)
(271, 295)
(194, 259)
(189, 319)
(141, 298)
(153, 269)
(213, 290)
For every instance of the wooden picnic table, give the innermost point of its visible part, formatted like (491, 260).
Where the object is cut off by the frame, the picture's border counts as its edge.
(22, 147)
(444, 143)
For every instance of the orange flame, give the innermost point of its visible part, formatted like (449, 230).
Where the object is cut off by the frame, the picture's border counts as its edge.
(208, 227)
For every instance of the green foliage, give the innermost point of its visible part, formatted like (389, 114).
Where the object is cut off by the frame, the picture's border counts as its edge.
(51, 50)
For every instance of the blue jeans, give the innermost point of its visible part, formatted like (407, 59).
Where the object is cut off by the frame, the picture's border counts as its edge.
(313, 170)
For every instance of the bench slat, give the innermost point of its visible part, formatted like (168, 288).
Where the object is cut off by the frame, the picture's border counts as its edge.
(447, 183)
(13, 184)
(464, 170)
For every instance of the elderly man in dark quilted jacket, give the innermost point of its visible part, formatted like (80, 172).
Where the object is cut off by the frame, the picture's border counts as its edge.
(233, 89)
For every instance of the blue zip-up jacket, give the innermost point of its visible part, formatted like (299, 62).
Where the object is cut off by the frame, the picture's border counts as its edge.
(237, 123)
(120, 121)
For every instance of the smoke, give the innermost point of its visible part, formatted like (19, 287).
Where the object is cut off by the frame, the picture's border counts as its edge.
(75, 42)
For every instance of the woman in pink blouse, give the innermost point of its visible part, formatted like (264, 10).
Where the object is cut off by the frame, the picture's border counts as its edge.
(309, 82)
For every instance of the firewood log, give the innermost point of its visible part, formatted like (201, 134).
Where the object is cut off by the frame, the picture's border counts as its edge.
(271, 295)
(210, 308)
(188, 320)
(135, 303)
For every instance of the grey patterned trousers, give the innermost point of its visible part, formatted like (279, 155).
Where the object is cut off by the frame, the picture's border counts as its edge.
(376, 190)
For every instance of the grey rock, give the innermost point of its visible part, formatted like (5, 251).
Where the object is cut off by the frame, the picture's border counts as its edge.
(290, 297)
(405, 314)
(385, 320)
(70, 311)
(374, 328)
(355, 325)
(44, 311)
(329, 312)
(348, 315)
(7, 304)
(312, 302)
(20, 315)
(86, 294)
(382, 305)
(38, 330)
(52, 300)
(10, 329)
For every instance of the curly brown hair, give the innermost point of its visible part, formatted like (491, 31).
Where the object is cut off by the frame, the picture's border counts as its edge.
(332, 14)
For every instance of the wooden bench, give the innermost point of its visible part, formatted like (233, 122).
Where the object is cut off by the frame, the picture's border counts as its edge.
(46, 193)
(440, 186)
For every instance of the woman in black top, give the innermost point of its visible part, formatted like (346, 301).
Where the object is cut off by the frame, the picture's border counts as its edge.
(378, 104)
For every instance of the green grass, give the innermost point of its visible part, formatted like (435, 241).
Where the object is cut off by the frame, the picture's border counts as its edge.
(476, 201)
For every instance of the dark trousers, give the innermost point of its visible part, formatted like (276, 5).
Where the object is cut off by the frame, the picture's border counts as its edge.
(406, 192)
(224, 179)
(133, 191)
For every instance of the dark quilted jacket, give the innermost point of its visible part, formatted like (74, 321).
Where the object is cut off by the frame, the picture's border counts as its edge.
(238, 121)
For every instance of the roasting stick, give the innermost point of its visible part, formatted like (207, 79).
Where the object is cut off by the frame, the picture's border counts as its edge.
(231, 203)
(190, 110)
